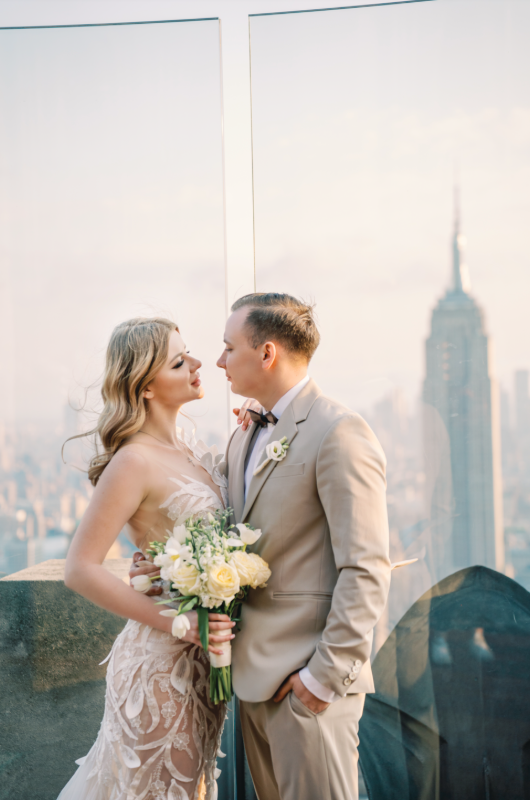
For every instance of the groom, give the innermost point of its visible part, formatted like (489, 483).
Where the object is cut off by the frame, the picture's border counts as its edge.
(301, 662)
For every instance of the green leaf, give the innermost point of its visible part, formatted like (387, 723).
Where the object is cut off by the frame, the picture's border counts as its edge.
(163, 602)
(204, 627)
(187, 604)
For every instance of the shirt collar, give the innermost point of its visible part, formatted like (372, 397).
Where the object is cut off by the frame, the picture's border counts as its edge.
(288, 397)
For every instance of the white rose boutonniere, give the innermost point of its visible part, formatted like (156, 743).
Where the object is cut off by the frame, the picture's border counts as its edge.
(275, 451)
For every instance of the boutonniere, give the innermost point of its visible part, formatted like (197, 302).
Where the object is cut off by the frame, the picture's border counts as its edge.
(275, 451)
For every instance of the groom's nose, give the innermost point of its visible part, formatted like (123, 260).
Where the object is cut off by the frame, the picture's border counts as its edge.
(221, 361)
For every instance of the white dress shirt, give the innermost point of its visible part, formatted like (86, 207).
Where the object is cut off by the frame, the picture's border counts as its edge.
(266, 432)
(311, 683)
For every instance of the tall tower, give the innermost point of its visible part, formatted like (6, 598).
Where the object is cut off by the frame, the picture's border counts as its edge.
(522, 420)
(461, 431)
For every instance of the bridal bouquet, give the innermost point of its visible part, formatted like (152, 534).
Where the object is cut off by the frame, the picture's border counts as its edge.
(208, 568)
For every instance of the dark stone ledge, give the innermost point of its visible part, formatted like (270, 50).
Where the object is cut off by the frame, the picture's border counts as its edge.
(52, 687)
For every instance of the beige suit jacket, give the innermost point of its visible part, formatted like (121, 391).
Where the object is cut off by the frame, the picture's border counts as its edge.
(323, 514)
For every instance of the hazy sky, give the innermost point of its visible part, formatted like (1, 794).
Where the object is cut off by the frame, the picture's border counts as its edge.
(111, 186)
(111, 199)
(358, 119)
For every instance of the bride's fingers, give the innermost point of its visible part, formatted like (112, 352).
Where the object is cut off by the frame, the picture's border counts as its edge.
(243, 418)
(246, 420)
(219, 618)
(221, 626)
(146, 568)
(217, 652)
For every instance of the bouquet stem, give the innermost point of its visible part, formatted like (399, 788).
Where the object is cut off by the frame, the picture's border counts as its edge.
(221, 684)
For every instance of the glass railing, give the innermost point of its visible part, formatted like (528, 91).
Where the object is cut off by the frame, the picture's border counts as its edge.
(112, 208)
(111, 198)
(383, 139)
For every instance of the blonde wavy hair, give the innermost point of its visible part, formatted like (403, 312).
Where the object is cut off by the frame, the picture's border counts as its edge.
(136, 351)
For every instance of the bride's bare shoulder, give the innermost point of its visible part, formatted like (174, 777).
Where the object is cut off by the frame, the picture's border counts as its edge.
(131, 458)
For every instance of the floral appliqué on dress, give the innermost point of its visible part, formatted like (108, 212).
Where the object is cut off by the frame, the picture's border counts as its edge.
(160, 734)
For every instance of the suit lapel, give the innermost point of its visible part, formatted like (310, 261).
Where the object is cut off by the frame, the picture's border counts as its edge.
(286, 427)
(295, 412)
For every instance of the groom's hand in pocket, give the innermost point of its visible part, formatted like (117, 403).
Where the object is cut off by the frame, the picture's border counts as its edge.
(294, 684)
(141, 566)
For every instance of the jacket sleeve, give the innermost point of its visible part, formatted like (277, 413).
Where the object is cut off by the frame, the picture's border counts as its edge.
(352, 489)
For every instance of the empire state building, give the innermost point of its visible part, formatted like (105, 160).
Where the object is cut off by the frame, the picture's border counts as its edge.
(461, 432)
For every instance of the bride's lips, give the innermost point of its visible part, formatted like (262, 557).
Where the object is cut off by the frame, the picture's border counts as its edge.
(196, 382)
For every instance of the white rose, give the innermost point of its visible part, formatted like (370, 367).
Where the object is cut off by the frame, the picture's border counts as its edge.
(275, 451)
(141, 583)
(248, 536)
(223, 582)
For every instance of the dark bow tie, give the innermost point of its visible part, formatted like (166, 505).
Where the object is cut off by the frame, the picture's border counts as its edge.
(262, 419)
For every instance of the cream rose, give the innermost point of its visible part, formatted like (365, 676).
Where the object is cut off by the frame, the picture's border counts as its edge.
(223, 581)
(253, 571)
(186, 579)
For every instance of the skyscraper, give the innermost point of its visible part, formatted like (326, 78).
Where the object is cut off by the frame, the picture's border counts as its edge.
(522, 420)
(461, 431)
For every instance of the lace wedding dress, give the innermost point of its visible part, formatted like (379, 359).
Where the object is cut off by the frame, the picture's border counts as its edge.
(160, 734)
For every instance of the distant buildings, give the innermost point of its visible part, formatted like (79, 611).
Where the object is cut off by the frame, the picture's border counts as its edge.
(461, 433)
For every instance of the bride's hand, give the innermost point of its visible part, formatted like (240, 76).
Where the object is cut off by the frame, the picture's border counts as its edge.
(243, 417)
(220, 630)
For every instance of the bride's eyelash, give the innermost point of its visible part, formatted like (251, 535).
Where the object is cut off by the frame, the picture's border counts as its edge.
(181, 362)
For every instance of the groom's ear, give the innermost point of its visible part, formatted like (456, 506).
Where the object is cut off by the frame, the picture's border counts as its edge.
(269, 355)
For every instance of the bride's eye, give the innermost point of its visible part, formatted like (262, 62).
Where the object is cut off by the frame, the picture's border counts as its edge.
(181, 362)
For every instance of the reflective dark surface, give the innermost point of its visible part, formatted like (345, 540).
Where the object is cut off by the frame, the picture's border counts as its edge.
(451, 715)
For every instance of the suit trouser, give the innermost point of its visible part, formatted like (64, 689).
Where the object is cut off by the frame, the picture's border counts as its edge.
(294, 754)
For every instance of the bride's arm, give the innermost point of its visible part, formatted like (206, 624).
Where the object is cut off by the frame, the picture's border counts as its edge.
(121, 489)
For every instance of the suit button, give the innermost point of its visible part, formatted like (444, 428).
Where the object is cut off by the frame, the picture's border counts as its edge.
(347, 681)
(358, 664)
(352, 676)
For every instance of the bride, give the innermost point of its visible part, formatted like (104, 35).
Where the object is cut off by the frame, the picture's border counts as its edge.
(160, 733)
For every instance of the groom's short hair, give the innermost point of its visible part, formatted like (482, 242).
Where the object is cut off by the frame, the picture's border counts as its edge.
(283, 318)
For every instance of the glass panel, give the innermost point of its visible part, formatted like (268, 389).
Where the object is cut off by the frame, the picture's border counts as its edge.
(111, 206)
(382, 137)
